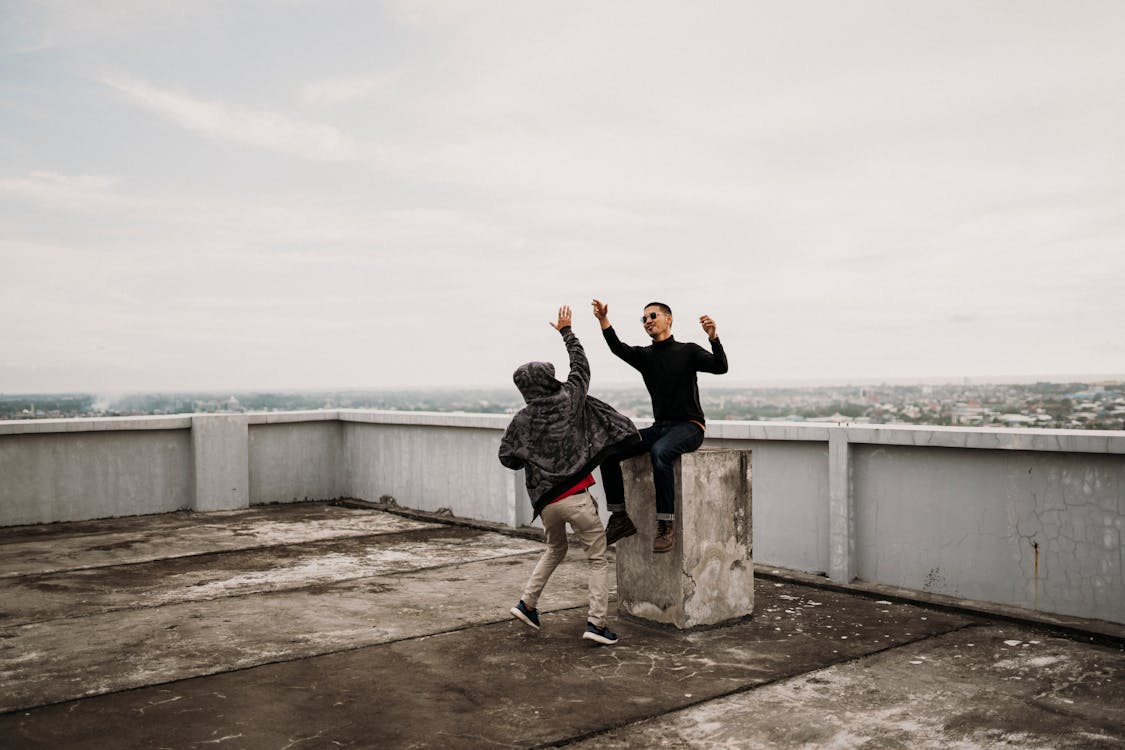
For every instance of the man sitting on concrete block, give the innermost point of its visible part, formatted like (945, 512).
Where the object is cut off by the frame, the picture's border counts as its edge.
(669, 370)
(558, 439)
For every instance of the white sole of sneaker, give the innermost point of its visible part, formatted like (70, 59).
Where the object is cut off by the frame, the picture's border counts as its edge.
(521, 616)
(598, 638)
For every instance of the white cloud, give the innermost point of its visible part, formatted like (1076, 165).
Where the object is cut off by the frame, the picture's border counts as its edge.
(345, 89)
(72, 192)
(261, 129)
(874, 188)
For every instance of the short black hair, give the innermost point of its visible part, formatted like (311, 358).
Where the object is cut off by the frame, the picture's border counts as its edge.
(663, 307)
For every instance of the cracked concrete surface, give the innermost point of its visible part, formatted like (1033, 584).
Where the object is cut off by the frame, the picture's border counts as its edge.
(362, 629)
(976, 687)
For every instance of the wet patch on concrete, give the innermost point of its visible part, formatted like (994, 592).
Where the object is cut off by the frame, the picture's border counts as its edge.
(480, 684)
(61, 531)
(36, 598)
(145, 538)
(67, 658)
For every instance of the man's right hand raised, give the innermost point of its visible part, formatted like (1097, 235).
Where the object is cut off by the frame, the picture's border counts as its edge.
(564, 318)
(601, 312)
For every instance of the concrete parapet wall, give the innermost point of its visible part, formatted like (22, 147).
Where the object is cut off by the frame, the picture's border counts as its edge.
(425, 462)
(1031, 529)
(79, 469)
(1025, 518)
(221, 453)
(791, 510)
(295, 461)
(119, 469)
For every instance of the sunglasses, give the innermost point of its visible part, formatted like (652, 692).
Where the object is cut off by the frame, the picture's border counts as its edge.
(650, 316)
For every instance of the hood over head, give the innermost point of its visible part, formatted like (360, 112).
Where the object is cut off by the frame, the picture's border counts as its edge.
(535, 380)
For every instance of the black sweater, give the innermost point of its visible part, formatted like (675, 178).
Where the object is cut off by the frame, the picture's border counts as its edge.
(668, 368)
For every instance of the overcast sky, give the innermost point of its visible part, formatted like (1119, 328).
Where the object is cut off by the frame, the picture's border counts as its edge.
(323, 194)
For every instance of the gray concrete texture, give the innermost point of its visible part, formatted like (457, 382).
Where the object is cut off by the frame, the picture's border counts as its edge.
(319, 626)
(1033, 519)
(708, 576)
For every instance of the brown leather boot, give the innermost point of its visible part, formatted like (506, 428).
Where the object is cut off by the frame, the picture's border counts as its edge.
(619, 527)
(665, 537)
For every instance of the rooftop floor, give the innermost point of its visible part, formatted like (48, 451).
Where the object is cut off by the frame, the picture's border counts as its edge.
(315, 626)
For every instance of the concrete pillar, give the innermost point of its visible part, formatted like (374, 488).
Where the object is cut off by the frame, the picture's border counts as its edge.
(841, 518)
(708, 578)
(221, 446)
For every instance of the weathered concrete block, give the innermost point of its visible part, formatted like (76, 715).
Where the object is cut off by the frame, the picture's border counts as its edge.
(708, 578)
(220, 443)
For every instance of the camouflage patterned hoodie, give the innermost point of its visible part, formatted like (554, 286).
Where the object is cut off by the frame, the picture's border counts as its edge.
(563, 433)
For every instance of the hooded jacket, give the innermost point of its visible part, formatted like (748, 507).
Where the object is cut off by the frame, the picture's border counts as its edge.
(563, 433)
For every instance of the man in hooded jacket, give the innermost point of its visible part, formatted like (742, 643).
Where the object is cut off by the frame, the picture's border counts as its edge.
(558, 438)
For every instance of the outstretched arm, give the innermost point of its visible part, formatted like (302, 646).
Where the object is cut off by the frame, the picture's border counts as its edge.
(624, 351)
(601, 312)
(715, 361)
(579, 379)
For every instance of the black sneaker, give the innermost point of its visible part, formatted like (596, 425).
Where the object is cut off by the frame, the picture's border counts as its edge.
(601, 635)
(530, 616)
(619, 527)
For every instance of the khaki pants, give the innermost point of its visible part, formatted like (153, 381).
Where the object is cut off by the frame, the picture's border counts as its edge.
(582, 515)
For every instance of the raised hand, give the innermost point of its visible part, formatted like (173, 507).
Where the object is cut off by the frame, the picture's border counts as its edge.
(564, 318)
(708, 327)
(601, 312)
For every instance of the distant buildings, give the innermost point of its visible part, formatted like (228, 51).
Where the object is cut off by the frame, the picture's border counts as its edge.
(1055, 405)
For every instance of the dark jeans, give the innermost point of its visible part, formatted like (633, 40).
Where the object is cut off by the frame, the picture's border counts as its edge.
(665, 442)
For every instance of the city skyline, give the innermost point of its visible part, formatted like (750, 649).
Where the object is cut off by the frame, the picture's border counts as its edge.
(707, 383)
(1074, 405)
(295, 195)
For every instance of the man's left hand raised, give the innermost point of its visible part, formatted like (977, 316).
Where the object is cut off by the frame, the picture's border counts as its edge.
(708, 327)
